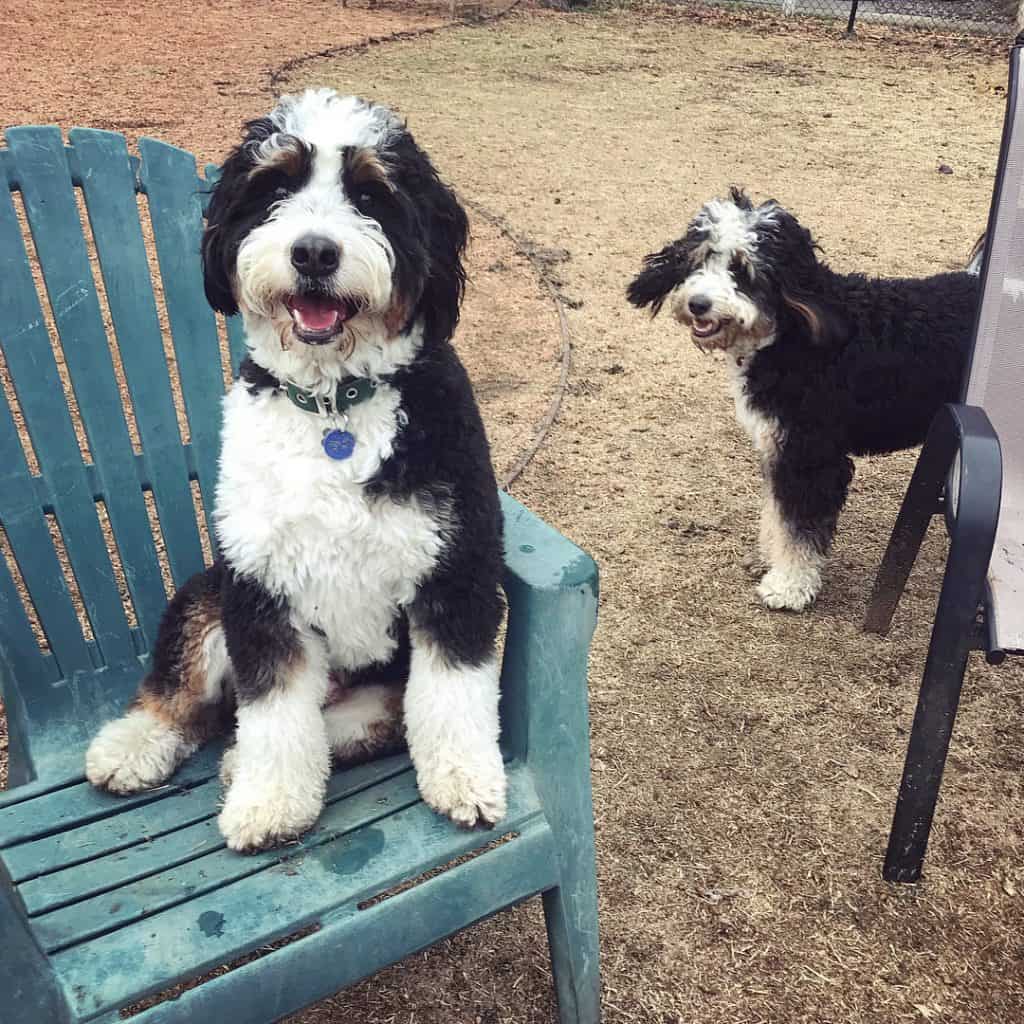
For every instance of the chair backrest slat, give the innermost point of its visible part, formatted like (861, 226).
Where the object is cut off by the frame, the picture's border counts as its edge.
(108, 186)
(40, 569)
(996, 373)
(36, 382)
(175, 194)
(89, 417)
(53, 219)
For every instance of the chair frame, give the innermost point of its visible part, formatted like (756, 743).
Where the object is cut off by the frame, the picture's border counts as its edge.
(961, 457)
(54, 967)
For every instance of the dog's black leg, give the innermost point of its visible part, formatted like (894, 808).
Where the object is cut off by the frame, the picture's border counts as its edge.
(279, 765)
(805, 489)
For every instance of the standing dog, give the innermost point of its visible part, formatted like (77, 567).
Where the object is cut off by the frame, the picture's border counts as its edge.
(356, 508)
(824, 365)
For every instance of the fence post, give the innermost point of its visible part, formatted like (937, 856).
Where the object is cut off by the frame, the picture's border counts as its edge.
(853, 17)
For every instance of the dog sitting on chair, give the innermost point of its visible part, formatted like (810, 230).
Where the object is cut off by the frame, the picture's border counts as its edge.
(823, 365)
(356, 507)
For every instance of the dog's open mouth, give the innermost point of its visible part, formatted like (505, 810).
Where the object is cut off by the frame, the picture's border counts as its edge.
(318, 319)
(704, 328)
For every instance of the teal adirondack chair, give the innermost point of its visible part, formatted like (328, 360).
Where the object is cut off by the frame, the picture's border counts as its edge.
(107, 900)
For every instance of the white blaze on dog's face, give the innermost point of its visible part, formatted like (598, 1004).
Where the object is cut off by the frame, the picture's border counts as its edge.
(330, 230)
(714, 277)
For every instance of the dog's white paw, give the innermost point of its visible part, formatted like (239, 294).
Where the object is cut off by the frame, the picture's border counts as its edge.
(253, 820)
(792, 591)
(134, 753)
(471, 795)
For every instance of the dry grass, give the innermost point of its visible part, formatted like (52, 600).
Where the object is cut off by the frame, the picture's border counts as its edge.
(744, 762)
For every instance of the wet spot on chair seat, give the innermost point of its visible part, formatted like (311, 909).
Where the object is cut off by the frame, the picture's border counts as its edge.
(352, 852)
(211, 924)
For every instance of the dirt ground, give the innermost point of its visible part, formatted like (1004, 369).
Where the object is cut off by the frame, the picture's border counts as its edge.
(745, 762)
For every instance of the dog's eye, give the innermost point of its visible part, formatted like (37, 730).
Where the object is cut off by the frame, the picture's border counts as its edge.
(281, 193)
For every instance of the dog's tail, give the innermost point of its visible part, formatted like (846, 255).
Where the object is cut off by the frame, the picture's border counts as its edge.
(975, 256)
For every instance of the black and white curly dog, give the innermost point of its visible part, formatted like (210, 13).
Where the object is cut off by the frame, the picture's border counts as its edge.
(356, 598)
(824, 365)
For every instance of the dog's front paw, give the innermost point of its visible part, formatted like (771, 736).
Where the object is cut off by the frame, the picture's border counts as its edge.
(253, 820)
(134, 753)
(473, 796)
(794, 592)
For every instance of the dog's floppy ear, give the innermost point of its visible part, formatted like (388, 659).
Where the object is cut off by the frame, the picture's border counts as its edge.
(740, 198)
(429, 275)
(791, 252)
(662, 271)
(449, 235)
(218, 254)
(822, 324)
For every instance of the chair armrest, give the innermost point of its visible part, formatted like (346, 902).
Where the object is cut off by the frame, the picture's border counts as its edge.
(30, 989)
(552, 591)
(973, 515)
(971, 506)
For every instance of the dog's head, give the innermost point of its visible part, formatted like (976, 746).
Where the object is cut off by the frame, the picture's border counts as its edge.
(738, 274)
(329, 227)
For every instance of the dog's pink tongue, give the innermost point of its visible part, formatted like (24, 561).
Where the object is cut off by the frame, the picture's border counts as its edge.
(316, 313)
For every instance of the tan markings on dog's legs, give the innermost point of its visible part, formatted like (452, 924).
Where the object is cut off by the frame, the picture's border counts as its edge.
(169, 718)
(794, 574)
(196, 706)
(365, 722)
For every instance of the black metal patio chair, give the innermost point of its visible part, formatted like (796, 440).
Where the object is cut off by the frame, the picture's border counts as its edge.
(970, 471)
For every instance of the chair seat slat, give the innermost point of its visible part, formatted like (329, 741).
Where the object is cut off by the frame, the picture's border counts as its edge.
(108, 187)
(110, 970)
(134, 843)
(198, 862)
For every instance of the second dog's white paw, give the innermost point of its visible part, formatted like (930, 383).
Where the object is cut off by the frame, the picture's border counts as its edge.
(253, 819)
(471, 795)
(134, 753)
(792, 591)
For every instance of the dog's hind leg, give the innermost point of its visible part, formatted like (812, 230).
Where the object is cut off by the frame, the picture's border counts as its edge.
(365, 722)
(802, 502)
(180, 704)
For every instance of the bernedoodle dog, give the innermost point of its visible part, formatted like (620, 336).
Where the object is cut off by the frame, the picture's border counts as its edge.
(355, 598)
(823, 365)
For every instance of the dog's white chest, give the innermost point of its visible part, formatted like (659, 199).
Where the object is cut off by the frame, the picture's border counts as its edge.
(302, 524)
(762, 430)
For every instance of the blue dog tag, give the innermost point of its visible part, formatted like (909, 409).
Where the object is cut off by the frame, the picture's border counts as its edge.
(338, 444)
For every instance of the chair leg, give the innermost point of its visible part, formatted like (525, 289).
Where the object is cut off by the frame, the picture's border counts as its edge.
(922, 773)
(955, 634)
(573, 940)
(919, 505)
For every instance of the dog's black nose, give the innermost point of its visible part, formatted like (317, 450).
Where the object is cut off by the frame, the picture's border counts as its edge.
(315, 256)
(699, 305)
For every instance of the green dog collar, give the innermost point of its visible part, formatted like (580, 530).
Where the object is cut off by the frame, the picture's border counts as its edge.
(350, 391)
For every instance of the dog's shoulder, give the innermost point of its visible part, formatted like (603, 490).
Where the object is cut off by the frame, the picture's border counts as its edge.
(440, 442)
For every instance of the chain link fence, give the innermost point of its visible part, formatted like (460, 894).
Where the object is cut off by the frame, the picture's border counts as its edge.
(976, 17)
